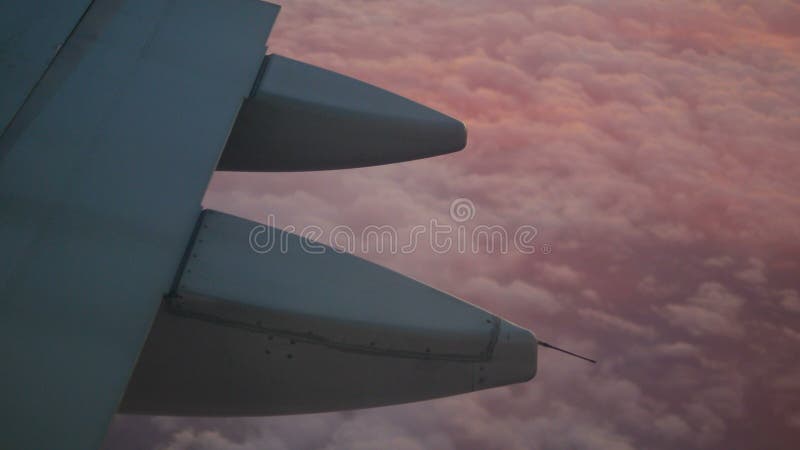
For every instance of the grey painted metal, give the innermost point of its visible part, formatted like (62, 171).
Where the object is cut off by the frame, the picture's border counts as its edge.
(302, 117)
(31, 34)
(101, 177)
(291, 330)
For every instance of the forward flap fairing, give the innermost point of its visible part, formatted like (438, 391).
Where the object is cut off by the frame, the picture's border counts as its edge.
(302, 117)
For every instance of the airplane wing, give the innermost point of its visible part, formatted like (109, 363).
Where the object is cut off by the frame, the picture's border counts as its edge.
(102, 172)
(115, 113)
(31, 34)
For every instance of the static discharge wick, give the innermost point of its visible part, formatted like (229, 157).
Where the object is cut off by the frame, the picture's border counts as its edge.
(545, 344)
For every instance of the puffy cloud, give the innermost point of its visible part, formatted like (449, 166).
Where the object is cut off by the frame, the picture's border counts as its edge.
(718, 261)
(790, 300)
(517, 291)
(794, 420)
(712, 310)
(614, 323)
(789, 380)
(654, 288)
(558, 274)
(678, 349)
(755, 273)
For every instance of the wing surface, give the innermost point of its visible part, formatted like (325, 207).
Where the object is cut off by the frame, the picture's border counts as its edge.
(31, 34)
(101, 176)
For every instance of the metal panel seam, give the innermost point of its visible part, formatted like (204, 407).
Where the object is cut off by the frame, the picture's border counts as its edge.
(176, 306)
(46, 70)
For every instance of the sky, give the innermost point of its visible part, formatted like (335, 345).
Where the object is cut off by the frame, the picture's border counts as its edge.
(654, 145)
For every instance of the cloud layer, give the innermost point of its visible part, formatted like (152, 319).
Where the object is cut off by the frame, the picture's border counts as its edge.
(653, 144)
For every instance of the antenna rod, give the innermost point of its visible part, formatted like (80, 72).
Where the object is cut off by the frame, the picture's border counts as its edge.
(545, 344)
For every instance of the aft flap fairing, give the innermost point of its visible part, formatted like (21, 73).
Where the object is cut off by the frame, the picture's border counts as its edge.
(252, 332)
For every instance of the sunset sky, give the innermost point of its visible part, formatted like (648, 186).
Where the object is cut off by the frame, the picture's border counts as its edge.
(655, 146)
